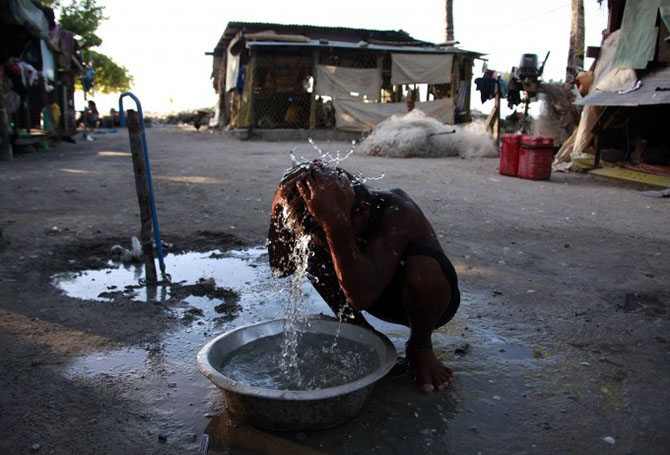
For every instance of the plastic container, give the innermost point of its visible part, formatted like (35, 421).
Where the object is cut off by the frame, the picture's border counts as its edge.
(509, 154)
(535, 157)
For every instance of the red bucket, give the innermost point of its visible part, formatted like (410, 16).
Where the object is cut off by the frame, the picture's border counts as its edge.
(535, 157)
(509, 154)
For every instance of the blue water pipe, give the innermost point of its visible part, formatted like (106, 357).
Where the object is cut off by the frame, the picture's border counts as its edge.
(154, 216)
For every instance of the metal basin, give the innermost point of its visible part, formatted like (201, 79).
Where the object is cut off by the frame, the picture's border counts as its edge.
(294, 409)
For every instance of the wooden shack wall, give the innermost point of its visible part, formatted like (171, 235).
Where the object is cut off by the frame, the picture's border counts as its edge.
(276, 74)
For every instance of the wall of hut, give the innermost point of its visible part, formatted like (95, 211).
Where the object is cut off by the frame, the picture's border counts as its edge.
(275, 88)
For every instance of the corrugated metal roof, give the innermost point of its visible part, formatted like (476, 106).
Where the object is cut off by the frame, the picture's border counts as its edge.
(372, 47)
(396, 38)
(654, 89)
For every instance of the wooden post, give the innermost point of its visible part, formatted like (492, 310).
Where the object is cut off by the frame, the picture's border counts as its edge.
(525, 123)
(252, 89)
(312, 104)
(496, 119)
(468, 81)
(5, 149)
(143, 196)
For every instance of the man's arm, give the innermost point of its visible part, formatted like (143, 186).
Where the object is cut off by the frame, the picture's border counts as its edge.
(362, 276)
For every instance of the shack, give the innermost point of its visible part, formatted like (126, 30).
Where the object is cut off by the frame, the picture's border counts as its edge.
(628, 103)
(37, 75)
(301, 76)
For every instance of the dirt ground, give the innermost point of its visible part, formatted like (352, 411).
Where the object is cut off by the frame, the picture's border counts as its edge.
(560, 345)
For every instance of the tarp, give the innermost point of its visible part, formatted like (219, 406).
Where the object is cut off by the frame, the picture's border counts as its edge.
(352, 115)
(638, 34)
(340, 82)
(232, 70)
(606, 77)
(421, 68)
(24, 13)
(664, 11)
(48, 62)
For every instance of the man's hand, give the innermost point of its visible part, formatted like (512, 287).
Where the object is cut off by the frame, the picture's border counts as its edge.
(328, 196)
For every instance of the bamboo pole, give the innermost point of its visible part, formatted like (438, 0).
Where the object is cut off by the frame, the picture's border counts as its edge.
(496, 119)
(143, 195)
(312, 104)
(5, 149)
(252, 89)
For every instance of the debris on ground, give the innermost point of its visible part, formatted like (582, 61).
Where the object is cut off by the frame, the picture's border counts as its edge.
(662, 194)
(134, 254)
(415, 134)
(462, 349)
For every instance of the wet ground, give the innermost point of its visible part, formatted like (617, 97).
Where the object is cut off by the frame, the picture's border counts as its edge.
(471, 348)
(560, 345)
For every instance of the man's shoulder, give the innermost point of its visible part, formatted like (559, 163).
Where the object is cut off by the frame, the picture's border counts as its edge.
(399, 209)
(399, 192)
(394, 196)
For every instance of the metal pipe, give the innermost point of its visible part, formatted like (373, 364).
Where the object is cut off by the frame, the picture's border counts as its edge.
(154, 215)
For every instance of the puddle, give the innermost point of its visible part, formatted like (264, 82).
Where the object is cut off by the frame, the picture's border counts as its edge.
(169, 365)
(236, 268)
(492, 372)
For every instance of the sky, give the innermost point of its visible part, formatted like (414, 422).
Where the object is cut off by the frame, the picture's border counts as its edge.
(163, 43)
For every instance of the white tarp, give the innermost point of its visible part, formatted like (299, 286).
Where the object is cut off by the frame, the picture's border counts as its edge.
(607, 78)
(352, 115)
(421, 68)
(340, 82)
(232, 70)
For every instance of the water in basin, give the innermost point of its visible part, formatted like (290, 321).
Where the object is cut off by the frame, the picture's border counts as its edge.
(321, 363)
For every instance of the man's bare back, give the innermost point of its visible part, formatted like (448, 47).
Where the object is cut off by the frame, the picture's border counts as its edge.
(372, 251)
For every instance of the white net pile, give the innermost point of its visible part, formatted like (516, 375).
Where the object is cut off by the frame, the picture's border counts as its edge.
(415, 134)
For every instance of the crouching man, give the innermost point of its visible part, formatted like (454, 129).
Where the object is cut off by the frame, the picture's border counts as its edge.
(370, 250)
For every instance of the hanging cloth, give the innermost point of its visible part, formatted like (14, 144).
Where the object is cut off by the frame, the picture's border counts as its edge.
(342, 83)
(421, 68)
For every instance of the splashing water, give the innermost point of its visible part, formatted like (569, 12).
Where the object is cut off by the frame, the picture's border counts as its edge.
(328, 158)
(289, 353)
(300, 253)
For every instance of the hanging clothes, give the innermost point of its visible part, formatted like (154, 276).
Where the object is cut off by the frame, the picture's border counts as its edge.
(88, 80)
(487, 87)
(503, 87)
(513, 92)
(239, 87)
(28, 72)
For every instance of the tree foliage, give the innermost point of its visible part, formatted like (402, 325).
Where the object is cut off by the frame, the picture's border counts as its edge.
(83, 17)
(109, 76)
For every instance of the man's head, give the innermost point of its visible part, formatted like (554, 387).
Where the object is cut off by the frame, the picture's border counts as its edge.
(296, 210)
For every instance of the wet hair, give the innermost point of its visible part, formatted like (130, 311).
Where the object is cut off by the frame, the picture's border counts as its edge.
(297, 206)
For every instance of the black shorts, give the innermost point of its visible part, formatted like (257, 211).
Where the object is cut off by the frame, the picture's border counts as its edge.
(389, 305)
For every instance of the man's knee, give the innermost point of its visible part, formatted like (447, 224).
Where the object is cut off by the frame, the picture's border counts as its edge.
(424, 277)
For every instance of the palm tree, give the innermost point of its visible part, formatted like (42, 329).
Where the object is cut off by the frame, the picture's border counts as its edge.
(576, 51)
(450, 20)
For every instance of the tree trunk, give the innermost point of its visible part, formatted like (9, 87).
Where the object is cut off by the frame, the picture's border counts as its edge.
(450, 20)
(576, 51)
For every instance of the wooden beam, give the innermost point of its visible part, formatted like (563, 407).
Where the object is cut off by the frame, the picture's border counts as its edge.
(252, 88)
(312, 103)
(143, 195)
(5, 148)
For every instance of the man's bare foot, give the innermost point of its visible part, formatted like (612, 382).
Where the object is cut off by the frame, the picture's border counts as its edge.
(430, 374)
